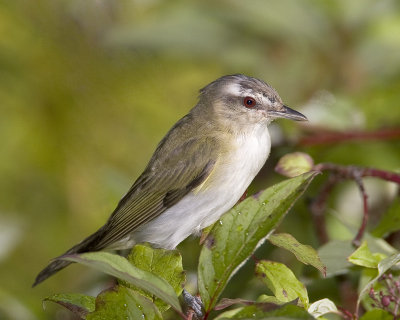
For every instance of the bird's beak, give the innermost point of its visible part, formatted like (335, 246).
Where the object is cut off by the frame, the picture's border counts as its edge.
(288, 113)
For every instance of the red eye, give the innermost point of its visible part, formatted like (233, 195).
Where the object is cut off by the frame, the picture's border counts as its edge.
(249, 102)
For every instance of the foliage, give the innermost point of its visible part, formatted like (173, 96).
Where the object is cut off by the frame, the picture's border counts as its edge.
(229, 243)
(121, 268)
(304, 253)
(236, 236)
(151, 280)
(165, 264)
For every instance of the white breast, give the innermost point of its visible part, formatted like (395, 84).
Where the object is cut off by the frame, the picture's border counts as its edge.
(197, 211)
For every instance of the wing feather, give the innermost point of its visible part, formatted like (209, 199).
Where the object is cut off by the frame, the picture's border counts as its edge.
(164, 183)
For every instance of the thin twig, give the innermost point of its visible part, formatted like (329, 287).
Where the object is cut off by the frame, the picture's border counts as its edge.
(330, 137)
(361, 230)
(347, 315)
(346, 172)
(190, 315)
(385, 175)
(318, 207)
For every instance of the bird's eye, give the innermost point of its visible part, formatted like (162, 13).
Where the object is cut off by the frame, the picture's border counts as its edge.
(249, 102)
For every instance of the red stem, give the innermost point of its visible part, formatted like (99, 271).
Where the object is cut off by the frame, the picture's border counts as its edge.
(318, 206)
(349, 171)
(346, 172)
(385, 175)
(360, 233)
(347, 315)
(190, 315)
(330, 137)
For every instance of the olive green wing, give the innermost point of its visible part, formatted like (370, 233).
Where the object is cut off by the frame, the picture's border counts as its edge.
(166, 180)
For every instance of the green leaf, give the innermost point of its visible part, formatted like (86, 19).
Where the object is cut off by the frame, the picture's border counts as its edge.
(262, 300)
(322, 307)
(123, 303)
(304, 253)
(334, 256)
(365, 258)
(383, 266)
(267, 311)
(120, 267)
(167, 264)
(375, 244)
(294, 164)
(377, 314)
(281, 281)
(240, 231)
(379, 245)
(79, 304)
(225, 303)
(269, 299)
(390, 221)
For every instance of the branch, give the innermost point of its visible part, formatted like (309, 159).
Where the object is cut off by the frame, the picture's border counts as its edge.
(360, 234)
(318, 207)
(349, 172)
(346, 172)
(330, 137)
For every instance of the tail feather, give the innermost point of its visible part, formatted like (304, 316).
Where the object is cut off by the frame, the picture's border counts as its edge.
(51, 269)
(88, 244)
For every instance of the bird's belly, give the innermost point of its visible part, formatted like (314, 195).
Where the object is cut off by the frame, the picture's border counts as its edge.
(203, 207)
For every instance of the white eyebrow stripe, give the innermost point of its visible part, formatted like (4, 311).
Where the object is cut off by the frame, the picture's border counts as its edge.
(233, 89)
(236, 89)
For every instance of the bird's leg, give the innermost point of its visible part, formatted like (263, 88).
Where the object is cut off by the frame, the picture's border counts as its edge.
(194, 304)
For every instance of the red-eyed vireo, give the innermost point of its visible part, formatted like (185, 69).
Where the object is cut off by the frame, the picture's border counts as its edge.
(199, 170)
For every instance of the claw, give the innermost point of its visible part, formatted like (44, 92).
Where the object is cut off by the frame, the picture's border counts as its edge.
(194, 303)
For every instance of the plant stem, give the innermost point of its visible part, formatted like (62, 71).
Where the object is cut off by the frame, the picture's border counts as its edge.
(346, 172)
(349, 172)
(324, 137)
(318, 207)
(360, 233)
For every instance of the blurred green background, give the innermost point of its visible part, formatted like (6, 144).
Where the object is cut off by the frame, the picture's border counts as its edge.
(88, 88)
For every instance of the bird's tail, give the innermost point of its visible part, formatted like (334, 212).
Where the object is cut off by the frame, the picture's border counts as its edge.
(88, 244)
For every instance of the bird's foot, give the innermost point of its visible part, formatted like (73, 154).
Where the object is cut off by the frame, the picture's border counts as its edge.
(194, 304)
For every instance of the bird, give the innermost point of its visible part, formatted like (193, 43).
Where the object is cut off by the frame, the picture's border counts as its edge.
(199, 170)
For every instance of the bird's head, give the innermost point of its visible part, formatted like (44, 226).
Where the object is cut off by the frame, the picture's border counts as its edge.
(246, 101)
